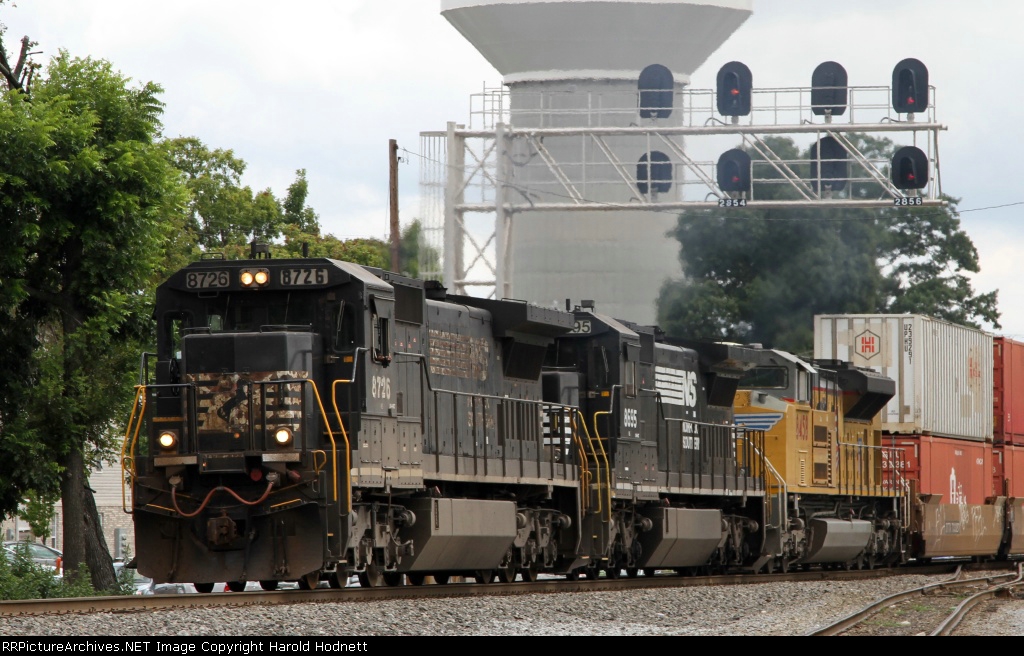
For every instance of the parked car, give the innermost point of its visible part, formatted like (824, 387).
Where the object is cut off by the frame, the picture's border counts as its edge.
(143, 584)
(37, 553)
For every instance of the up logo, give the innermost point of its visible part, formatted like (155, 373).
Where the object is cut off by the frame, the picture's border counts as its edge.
(630, 418)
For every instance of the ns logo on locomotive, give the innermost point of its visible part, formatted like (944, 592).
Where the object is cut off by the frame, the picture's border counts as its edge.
(312, 419)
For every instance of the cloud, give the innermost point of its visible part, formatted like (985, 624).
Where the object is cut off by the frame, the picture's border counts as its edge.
(323, 85)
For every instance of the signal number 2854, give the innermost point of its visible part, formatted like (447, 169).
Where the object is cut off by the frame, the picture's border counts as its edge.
(380, 387)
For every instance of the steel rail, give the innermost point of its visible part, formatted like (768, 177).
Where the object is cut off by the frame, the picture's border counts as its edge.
(852, 620)
(950, 624)
(350, 594)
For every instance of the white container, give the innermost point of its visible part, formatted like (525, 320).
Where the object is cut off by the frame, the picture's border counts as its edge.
(943, 371)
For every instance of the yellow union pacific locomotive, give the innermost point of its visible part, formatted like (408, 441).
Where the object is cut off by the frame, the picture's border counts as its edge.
(832, 500)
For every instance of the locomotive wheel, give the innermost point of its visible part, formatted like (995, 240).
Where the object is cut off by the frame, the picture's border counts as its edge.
(337, 579)
(235, 586)
(268, 585)
(507, 574)
(632, 572)
(591, 572)
(612, 572)
(310, 581)
(204, 588)
(441, 579)
(371, 577)
(484, 576)
(649, 571)
(573, 575)
(529, 574)
(392, 579)
(415, 578)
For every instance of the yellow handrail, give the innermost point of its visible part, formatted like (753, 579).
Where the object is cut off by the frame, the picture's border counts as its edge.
(140, 391)
(344, 434)
(604, 456)
(585, 475)
(334, 445)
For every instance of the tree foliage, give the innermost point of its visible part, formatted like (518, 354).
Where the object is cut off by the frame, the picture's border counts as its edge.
(85, 188)
(224, 216)
(222, 212)
(761, 275)
(413, 251)
(96, 210)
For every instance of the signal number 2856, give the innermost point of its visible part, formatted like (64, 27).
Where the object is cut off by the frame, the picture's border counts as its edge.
(380, 387)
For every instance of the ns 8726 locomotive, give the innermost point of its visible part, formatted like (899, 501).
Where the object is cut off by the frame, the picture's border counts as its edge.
(311, 419)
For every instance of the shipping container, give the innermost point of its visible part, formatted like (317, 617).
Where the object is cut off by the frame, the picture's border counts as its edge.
(1008, 475)
(1008, 471)
(1008, 394)
(961, 471)
(943, 371)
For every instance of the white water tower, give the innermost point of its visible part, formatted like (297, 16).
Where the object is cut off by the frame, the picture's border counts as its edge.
(576, 63)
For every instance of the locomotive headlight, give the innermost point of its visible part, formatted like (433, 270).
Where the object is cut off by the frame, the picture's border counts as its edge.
(247, 278)
(283, 436)
(262, 277)
(167, 440)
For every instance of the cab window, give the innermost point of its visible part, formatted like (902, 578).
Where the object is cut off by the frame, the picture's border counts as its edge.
(765, 378)
(175, 326)
(344, 333)
(381, 335)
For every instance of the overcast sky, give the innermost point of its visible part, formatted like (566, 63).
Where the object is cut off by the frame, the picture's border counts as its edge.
(324, 84)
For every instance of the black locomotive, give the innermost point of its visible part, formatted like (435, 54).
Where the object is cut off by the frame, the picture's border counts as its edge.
(311, 419)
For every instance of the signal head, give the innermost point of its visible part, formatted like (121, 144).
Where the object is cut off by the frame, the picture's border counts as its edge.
(910, 87)
(910, 168)
(735, 85)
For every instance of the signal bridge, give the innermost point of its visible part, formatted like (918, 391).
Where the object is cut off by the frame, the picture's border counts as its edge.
(660, 148)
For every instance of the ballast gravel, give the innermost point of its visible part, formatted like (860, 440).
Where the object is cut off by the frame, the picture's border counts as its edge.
(764, 609)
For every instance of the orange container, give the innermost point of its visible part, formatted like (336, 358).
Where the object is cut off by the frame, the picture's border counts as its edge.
(1008, 388)
(1008, 470)
(962, 471)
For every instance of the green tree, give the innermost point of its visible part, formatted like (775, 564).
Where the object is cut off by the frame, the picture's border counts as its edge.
(25, 463)
(412, 251)
(761, 275)
(39, 511)
(223, 213)
(368, 252)
(928, 255)
(296, 211)
(86, 189)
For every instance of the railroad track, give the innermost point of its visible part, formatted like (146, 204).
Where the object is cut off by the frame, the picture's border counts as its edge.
(929, 603)
(358, 594)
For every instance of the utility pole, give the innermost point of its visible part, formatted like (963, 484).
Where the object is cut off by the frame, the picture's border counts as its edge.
(395, 235)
